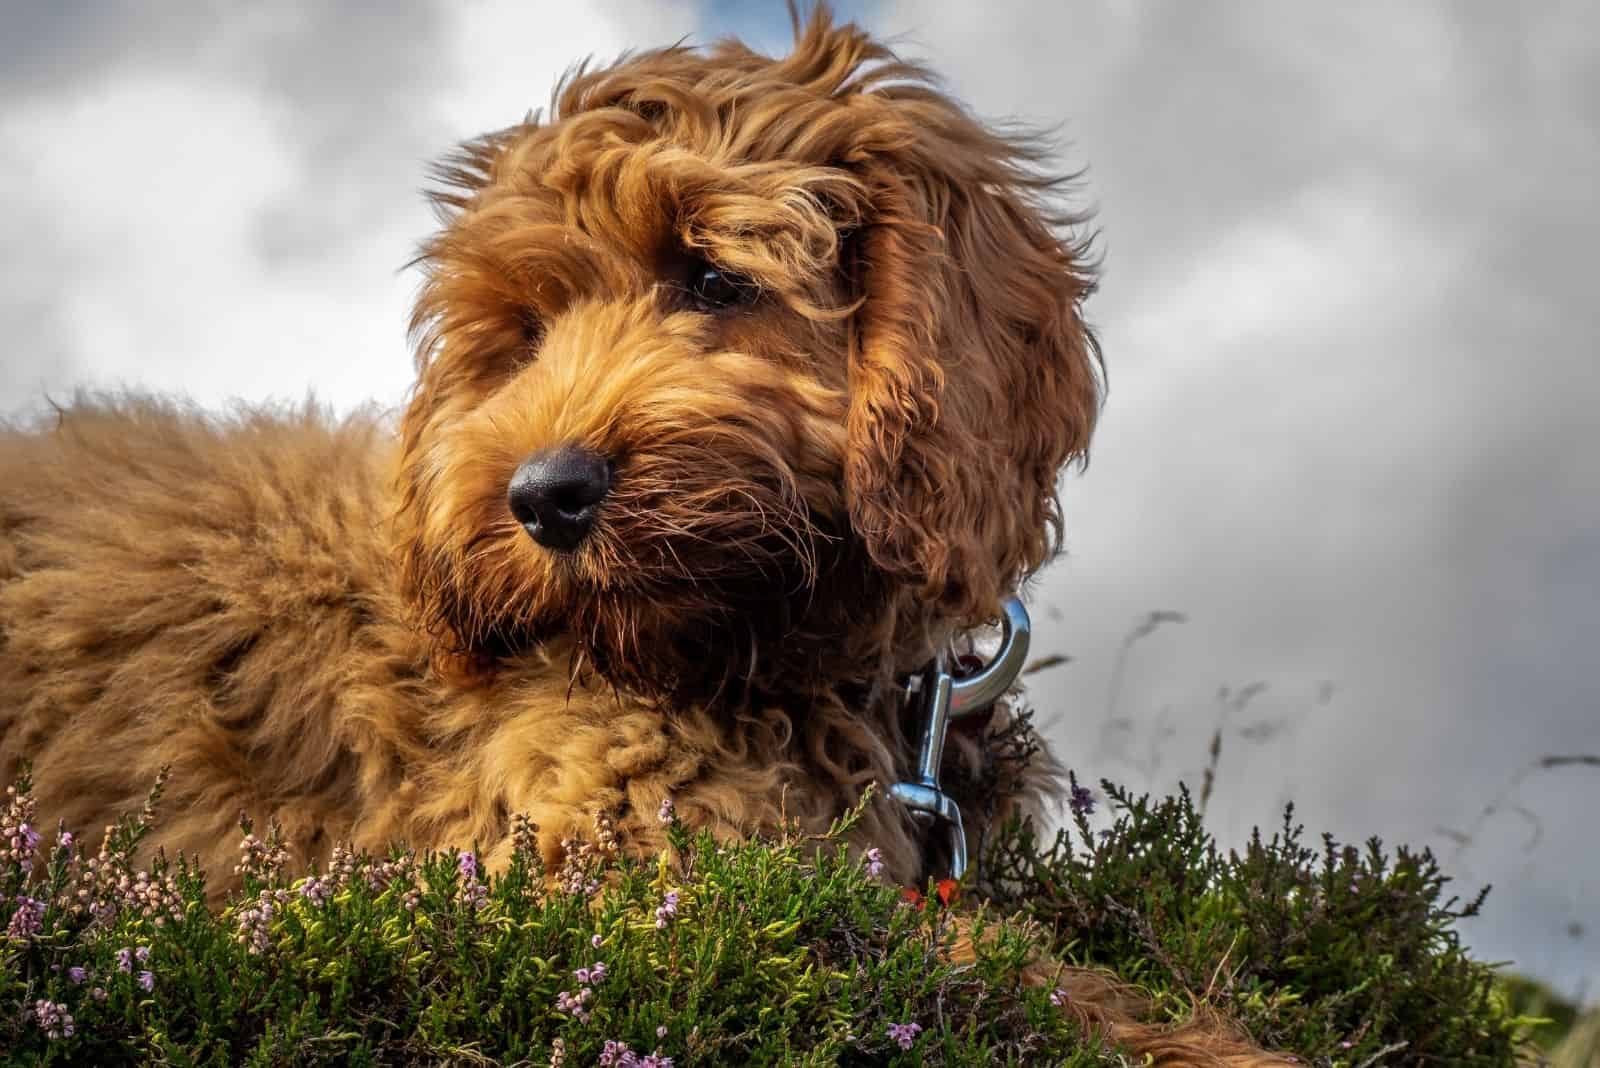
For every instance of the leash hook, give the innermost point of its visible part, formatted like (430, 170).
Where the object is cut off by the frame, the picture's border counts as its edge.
(944, 698)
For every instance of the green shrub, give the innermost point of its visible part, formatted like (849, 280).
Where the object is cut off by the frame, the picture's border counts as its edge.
(1343, 955)
(784, 952)
(1551, 1016)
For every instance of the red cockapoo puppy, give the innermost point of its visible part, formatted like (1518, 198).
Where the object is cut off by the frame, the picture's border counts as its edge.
(743, 388)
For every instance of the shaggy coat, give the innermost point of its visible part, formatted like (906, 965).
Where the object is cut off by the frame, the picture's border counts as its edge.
(823, 327)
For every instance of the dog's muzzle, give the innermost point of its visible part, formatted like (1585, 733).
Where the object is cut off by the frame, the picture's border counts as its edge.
(556, 494)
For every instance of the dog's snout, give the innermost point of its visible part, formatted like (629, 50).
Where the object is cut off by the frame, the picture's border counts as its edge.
(556, 493)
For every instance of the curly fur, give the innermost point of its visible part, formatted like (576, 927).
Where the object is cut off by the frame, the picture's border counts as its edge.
(343, 627)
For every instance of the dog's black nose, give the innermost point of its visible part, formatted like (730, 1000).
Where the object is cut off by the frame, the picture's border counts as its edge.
(556, 493)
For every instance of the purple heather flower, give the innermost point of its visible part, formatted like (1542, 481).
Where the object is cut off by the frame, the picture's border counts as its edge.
(619, 1055)
(53, 1018)
(147, 980)
(142, 954)
(30, 837)
(905, 1034)
(316, 890)
(469, 867)
(575, 1005)
(595, 941)
(874, 859)
(28, 920)
(64, 840)
(668, 910)
(1081, 800)
(475, 894)
(1058, 998)
(124, 959)
(255, 922)
(664, 813)
(77, 973)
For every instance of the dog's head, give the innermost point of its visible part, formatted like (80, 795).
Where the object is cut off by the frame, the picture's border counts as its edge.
(736, 367)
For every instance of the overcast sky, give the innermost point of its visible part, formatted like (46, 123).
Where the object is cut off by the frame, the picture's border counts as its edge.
(1349, 310)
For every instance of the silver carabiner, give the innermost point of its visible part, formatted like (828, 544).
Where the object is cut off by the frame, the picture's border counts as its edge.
(944, 698)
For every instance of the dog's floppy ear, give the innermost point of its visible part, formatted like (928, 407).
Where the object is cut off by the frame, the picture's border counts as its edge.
(973, 377)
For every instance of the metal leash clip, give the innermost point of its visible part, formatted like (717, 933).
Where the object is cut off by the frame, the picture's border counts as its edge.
(944, 698)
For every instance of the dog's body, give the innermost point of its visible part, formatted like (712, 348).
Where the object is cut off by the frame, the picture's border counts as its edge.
(743, 389)
(218, 597)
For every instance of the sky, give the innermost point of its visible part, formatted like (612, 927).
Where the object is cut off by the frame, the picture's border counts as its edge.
(1348, 309)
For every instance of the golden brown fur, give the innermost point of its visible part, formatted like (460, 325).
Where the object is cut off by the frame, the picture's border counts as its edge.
(345, 628)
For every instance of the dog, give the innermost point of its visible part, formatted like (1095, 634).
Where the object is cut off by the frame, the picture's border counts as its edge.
(743, 389)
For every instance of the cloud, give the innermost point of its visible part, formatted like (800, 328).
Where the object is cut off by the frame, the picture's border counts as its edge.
(224, 207)
(1352, 387)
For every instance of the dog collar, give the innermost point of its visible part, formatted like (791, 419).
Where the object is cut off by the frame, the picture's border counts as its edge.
(947, 699)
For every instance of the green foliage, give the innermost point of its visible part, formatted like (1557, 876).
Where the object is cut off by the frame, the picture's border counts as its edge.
(1553, 1016)
(782, 953)
(1344, 955)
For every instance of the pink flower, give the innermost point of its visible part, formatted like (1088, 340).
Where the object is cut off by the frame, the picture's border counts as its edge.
(147, 980)
(668, 910)
(619, 1055)
(874, 859)
(905, 1034)
(255, 923)
(665, 812)
(28, 920)
(575, 1005)
(1058, 998)
(53, 1018)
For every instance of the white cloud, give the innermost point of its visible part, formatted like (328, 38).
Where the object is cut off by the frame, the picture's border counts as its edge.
(509, 53)
(151, 201)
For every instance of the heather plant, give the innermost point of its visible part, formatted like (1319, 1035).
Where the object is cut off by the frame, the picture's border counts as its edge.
(786, 952)
(1554, 1016)
(1345, 955)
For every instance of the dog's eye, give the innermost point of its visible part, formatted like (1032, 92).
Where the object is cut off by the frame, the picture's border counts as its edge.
(714, 289)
